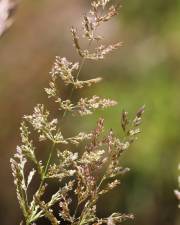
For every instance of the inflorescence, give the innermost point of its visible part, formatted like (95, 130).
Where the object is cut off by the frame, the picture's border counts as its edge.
(82, 178)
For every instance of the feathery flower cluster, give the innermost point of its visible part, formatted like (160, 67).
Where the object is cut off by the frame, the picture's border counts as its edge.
(78, 175)
(91, 22)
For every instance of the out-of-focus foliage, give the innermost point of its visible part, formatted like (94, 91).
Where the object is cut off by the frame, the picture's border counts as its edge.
(146, 71)
(6, 9)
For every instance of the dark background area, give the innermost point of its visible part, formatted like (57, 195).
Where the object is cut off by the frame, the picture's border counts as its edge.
(144, 71)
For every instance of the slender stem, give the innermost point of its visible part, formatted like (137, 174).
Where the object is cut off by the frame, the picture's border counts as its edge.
(64, 114)
(90, 203)
(25, 192)
(85, 210)
(49, 159)
(77, 76)
(72, 90)
(78, 204)
(103, 178)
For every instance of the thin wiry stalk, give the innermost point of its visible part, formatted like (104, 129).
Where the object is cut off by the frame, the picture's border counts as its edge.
(65, 111)
(64, 114)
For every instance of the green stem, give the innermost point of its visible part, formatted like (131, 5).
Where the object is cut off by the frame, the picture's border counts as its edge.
(77, 76)
(103, 178)
(64, 114)
(43, 177)
(49, 160)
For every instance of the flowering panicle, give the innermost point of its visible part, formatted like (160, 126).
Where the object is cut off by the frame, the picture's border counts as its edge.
(132, 128)
(63, 69)
(79, 176)
(64, 209)
(47, 129)
(86, 106)
(64, 167)
(90, 24)
(17, 166)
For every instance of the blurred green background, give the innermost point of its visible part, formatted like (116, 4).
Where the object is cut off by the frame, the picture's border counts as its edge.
(145, 71)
